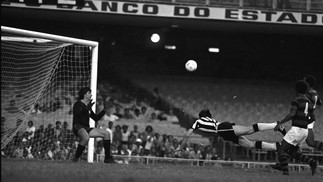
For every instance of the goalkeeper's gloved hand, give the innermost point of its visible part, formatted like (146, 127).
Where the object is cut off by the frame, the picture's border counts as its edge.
(90, 104)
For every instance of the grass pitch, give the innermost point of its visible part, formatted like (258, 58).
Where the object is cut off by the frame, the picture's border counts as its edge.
(61, 171)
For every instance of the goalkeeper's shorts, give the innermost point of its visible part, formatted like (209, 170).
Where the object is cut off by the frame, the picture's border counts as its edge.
(77, 127)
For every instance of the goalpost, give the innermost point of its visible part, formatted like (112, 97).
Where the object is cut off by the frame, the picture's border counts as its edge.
(40, 76)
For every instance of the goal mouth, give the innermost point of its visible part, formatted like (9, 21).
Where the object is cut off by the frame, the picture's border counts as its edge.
(40, 76)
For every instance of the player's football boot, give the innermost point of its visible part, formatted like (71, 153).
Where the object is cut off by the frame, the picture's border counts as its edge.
(282, 129)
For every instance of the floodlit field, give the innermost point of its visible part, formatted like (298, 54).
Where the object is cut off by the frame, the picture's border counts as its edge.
(40, 170)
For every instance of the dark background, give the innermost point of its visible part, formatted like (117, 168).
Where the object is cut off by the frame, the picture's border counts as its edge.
(247, 50)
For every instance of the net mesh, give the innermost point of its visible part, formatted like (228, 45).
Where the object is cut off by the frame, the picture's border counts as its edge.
(39, 83)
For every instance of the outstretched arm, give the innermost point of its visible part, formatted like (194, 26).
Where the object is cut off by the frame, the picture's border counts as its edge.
(288, 117)
(185, 138)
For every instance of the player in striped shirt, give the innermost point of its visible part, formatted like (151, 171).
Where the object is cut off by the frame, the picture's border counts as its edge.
(231, 132)
(313, 96)
(301, 111)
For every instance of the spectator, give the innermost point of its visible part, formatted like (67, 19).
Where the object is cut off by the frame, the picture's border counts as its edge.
(156, 145)
(40, 132)
(135, 131)
(212, 155)
(18, 152)
(153, 118)
(118, 112)
(176, 153)
(163, 147)
(49, 132)
(125, 137)
(127, 114)
(36, 110)
(66, 134)
(137, 114)
(57, 129)
(31, 129)
(108, 116)
(148, 139)
(12, 109)
(144, 112)
(117, 136)
(172, 118)
(162, 116)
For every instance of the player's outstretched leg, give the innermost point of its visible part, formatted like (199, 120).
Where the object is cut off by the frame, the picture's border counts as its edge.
(268, 126)
(240, 130)
(244, 142)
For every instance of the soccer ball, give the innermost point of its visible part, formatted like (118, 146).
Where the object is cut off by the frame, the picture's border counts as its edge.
(191, 65)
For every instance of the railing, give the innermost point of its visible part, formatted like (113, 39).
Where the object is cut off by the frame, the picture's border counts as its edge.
(292, 5)
(149, 160)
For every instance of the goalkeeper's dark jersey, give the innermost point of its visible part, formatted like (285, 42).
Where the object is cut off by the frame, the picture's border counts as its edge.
(81, 114)
(206, 124)
(304, 111)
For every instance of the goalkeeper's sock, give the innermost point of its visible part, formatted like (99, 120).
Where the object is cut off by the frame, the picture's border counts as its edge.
(79, 151)
(106, 145)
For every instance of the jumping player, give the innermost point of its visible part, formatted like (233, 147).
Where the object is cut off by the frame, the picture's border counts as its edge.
(82, 112)
(231, 131)
(300, 114)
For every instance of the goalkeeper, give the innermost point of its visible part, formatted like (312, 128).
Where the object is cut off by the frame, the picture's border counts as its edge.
(82, 112)
(231, 132)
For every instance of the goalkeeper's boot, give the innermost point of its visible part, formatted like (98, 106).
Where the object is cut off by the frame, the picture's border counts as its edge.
(282, 129)
(110, 160)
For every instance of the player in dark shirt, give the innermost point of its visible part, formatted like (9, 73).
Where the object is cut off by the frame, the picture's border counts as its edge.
(300, 113)
(230, 131)
(313, 96)
(82, 112)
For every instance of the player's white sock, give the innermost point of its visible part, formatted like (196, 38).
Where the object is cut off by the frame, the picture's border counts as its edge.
(266, 126)
(269, 146)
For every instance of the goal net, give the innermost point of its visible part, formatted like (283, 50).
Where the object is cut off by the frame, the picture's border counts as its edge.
(40, 77)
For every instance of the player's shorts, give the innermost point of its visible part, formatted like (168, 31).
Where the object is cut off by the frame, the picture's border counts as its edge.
(311, 125)
(226, 131)
(77, 127)
(296, 136)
